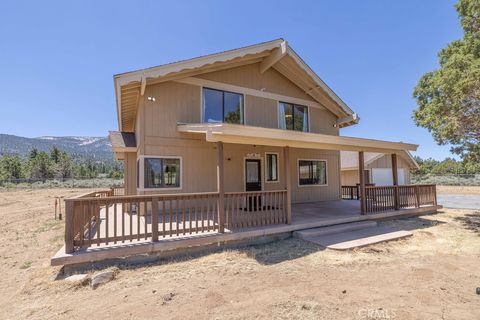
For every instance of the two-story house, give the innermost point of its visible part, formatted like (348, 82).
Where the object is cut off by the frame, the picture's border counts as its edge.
(247, 138)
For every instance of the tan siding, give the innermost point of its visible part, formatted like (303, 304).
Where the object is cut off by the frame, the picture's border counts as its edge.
(130, 173)
(199, 169)
(235, 166)
(156, 130)
(198, 172)
(261, 112)
(174, 102)
(322, 121)
(349, 178)
(249, 76)
(140, 127)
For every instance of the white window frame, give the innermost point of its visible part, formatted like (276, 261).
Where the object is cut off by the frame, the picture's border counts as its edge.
(312, 185)
(202, 106)
(293, 104)
(266, 167)
(142, 172)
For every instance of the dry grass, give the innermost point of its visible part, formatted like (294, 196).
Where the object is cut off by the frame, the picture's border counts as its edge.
(458, 190)
(428, 276)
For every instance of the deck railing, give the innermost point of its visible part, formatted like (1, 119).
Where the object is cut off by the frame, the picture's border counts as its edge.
(102, 218)
(251, 209)
(385, 198)
(350, 192)
(95, 219)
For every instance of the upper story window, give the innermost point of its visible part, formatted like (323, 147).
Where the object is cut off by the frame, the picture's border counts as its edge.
(293, 117)
(222, 106)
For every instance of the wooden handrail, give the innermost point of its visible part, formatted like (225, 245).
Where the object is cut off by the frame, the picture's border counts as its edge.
(386, 198)
(106, 219)
(144, 196)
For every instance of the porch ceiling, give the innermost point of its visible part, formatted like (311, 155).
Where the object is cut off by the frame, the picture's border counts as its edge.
(241, 134)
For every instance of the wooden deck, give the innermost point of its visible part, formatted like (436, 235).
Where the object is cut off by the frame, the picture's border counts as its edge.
(304, 216)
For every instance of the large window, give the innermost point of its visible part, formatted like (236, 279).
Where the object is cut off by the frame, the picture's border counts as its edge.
(222, 106)
(312, 172)
(162, 172)
(272, 167)
(293, 117)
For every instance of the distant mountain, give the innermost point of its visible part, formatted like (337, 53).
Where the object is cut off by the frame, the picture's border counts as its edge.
(95, 148)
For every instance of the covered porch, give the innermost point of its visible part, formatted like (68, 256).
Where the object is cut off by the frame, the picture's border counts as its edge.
(117, 232)
(108, 222)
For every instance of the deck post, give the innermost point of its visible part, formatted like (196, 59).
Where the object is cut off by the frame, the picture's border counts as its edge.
(288, 184)
(69, 231)
(220, 187)
(154, 219)
(361, 174)
(395, 180)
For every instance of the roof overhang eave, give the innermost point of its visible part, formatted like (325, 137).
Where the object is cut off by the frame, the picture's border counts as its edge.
(241, 134)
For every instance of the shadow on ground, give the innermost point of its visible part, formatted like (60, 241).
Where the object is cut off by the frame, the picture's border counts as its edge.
(470, 221)
(270, 253)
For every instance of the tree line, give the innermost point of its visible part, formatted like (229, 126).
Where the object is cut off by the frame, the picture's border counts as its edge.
(448, 166)
(56, 164)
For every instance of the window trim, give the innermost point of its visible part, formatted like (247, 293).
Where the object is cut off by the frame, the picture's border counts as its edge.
(278, 167)
(141, 158)
(279, 105)
(312, 185)
(202, 105)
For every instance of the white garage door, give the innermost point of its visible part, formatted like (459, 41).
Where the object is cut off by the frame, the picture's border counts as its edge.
(384, 177)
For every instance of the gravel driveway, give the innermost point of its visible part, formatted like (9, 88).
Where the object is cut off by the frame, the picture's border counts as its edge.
(459, 201)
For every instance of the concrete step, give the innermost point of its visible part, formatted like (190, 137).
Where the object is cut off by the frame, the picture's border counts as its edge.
(358, 238)
(315, 232)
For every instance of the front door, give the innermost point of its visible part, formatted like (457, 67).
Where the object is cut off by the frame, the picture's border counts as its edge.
(253, 175)
(253, 182)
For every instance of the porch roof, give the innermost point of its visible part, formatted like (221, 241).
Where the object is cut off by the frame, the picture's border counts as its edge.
(242, 134)
(122, 141)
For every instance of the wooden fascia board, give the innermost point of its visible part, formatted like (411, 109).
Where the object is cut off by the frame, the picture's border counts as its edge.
(195, 63)
(124, 149)
(348, 120)
(277, 54)
(276, 137)
(119, 103)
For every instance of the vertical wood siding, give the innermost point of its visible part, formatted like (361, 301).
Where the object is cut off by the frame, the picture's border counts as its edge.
(249, 76)
(157, 135)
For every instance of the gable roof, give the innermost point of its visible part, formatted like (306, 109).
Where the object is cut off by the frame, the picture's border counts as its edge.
(277, 54)
(349, 159)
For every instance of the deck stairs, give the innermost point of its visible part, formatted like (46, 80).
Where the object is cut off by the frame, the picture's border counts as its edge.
(351, 235)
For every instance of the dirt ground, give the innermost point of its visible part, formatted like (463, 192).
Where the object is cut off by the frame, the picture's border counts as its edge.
(458, 190)
(432, 275)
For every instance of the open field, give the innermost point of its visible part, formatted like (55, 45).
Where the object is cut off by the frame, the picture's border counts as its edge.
(432, 275)
(460, 190)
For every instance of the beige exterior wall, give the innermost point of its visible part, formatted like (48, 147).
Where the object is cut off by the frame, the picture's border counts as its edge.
(350, 177)
(130, 172)
(157, 135)
(249, 76)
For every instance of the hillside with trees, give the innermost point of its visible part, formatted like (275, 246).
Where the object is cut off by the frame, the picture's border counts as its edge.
(56, 164)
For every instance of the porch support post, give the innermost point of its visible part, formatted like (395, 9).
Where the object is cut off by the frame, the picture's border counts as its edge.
(395, 180)
(220, 188)
(288, 184)
(361, 174)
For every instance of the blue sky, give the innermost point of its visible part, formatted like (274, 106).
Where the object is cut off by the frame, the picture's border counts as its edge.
(57, 59)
